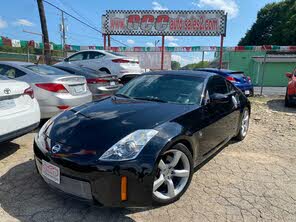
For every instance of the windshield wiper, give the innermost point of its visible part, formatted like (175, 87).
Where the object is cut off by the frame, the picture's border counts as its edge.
(122, 95)
(150, 99)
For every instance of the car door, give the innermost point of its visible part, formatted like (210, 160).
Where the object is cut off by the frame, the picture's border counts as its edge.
(234, 108)
(95, 60)
(215, 115)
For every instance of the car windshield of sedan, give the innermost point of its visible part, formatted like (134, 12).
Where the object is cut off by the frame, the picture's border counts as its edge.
(46, 70)
(176, 89)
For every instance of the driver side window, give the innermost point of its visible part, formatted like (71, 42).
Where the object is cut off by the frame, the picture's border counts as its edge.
(95, 55)
(217, 84)
(76, 57)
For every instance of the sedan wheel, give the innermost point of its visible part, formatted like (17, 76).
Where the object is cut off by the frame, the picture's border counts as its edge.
(244, 127)
(173, 175)
(245, 123)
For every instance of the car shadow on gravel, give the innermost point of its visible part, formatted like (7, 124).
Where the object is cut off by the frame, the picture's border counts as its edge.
(7, 149)
(26, 197)
(279, 106)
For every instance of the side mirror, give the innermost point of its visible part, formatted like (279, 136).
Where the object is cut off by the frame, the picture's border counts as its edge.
(66, 60)
(289, 75)
(219, 98)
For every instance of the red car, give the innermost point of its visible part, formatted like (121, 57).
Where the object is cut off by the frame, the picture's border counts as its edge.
(291, 89)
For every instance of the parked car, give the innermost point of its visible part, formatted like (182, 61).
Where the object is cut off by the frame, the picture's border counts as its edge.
(238, 78)
(291, 89)
(19, 109)
(54, 89)
(99, 83)
(110, 62)
(140, 146)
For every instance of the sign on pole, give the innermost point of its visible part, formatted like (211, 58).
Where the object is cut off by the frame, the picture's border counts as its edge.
(165, 23)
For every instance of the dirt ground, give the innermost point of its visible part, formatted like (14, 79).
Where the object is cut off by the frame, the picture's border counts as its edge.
(254, 180)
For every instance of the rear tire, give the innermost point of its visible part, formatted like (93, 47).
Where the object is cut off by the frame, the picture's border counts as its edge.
(173, 175)
(287, 101)
(244, 125)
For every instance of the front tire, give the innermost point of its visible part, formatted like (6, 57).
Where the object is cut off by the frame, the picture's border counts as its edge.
(244, 125)
(173, 175)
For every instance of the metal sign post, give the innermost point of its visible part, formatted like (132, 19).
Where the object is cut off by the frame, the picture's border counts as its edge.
(221, 53)
(109, 42)
(105, 44)
(162, 52)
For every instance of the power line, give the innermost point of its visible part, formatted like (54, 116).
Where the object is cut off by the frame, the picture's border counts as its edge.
(77, 13)
(77, 19)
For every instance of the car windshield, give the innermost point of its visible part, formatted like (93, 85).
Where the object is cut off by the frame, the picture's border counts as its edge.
(165, 88)
(46, 70)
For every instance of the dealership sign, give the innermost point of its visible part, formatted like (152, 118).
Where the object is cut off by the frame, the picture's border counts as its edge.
(167, 23)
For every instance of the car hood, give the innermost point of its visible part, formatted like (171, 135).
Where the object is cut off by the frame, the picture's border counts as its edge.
(95, 127)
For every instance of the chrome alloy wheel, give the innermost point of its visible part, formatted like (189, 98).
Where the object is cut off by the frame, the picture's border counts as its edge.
(245, 123)
(172, 175)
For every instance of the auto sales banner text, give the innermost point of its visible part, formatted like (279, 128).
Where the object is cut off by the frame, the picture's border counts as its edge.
(168, 23)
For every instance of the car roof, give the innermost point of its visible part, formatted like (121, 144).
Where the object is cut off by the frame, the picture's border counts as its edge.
(201, 74)
(216, 70)
(15, 63)
(91, 50)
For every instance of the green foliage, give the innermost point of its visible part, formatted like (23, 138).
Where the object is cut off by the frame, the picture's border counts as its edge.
(275, 25)
(175, 65)
(196, 65)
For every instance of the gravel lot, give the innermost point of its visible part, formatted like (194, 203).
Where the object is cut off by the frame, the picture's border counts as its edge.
(254, 180)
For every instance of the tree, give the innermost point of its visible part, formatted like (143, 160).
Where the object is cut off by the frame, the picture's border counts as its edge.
(44, 32)
(196, 65)
(275, 25)
(175, 65)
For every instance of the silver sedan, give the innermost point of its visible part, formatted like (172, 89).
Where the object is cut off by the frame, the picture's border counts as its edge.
(100, 84)
(54, 89)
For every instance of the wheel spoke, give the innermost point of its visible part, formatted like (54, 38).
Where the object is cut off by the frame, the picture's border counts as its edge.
(162, 165)
(176, 158)
(171, 188)
(180, 173)
(157, 183)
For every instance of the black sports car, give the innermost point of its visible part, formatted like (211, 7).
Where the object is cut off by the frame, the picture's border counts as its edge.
(140, 146)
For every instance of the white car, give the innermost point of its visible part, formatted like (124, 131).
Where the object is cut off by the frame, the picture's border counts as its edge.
(19, 110)
(110, 62)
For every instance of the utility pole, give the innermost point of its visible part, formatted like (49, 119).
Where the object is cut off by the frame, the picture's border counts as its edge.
(63, 30)
(44, 32)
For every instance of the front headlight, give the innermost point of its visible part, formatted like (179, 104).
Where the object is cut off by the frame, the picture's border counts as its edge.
(130, 146)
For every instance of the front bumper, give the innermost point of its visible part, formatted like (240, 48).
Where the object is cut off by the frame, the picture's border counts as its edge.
(101, 184)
